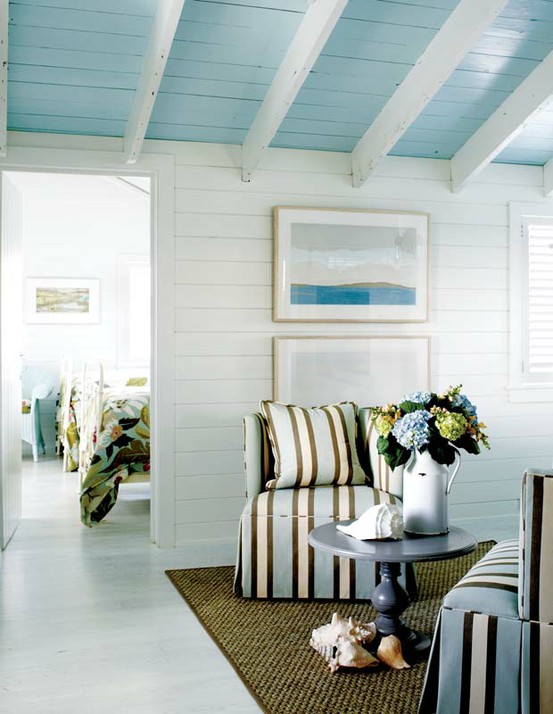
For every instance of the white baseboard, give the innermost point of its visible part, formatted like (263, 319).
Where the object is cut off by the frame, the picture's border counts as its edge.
(204, 554)
(491, 528)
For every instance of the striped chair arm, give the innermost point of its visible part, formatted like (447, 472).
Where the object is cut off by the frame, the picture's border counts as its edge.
(536, 554)
(258, 456)
(382, 476)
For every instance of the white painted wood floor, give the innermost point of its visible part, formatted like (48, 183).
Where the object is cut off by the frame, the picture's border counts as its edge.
(89, 621)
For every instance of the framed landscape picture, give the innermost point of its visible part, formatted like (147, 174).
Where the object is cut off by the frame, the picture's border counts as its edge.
(62, 300)
(310, 371)
(350, 266)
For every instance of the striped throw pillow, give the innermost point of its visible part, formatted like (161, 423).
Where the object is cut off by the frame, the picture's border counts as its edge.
(313, 447)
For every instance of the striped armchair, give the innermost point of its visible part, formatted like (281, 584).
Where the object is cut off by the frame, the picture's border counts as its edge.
(493, 643)
(274, 559)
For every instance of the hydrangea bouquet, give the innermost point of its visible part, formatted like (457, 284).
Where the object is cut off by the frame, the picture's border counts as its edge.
(424, 421)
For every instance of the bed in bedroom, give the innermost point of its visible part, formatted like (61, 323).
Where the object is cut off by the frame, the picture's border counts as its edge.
(106, 436)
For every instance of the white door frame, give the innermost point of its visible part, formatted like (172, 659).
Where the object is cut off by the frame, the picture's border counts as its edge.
(161, 169)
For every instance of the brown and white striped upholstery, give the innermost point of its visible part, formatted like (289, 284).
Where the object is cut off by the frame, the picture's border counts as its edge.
(490, 586)
(493, 646)
(275, 560)
(537, 668)
(313, 446)
(536, 547)
(474, 665)
(382, 476)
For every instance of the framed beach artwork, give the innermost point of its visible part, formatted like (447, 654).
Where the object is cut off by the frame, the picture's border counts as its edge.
(310, 371)
(62, 300)
(350, 266)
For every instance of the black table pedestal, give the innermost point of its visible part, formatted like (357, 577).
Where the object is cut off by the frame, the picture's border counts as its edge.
(390, 600)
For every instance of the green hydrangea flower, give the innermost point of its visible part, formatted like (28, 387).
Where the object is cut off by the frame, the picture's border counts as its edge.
(384, 424)
(451, 425)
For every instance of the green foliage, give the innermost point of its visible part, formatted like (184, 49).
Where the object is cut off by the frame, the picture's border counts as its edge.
(441, 450)
(467, 443)
(410, 407)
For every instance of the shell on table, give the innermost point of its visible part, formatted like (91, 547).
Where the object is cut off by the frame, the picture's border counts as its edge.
(341, 642)
(376, 523)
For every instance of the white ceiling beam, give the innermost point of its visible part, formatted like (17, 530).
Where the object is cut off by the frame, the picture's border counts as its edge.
(4, 19)
(318, 22)
(508, 120)
(166, 20)
(437, 62)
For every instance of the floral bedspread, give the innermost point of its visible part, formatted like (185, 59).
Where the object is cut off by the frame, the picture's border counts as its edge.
(120, 448)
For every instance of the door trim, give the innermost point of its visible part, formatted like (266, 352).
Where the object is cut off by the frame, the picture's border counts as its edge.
(161, 169)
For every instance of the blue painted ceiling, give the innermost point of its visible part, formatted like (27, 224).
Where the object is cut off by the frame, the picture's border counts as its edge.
(74, 67)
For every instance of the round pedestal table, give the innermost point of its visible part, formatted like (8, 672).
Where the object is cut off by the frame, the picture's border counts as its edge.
(389, 597)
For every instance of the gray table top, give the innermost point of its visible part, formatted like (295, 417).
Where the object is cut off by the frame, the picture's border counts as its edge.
(411, 549)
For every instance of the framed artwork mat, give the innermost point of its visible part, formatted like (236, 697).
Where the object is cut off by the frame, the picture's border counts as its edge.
(316, 370)
(350, 266)
(62, 300)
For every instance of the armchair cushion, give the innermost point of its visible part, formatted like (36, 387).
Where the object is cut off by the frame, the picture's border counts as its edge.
(491, 586)
(313, 447)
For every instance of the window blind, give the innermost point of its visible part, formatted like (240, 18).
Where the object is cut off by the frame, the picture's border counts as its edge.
(539, 337)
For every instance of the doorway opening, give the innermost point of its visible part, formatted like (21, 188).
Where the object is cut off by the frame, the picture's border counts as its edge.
(86, 347)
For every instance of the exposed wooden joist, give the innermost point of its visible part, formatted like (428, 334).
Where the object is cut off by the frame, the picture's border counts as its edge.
(4, 19)
(318, 22)
(508, 120)
(164, 26)
(437, 62)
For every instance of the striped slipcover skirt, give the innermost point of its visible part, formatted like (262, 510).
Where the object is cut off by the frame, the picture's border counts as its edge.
(478, 649)
(275, 560)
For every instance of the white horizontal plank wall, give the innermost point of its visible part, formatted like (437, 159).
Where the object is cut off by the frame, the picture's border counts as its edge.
(224, 330)
(223, 326)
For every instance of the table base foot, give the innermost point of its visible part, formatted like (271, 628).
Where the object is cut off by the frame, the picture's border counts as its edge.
(412, 642)
(415, 644)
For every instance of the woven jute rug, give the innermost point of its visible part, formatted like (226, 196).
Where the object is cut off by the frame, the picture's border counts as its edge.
(267, 642)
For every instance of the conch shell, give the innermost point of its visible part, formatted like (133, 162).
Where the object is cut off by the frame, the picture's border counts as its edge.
(376, 523)
(340, 643)
(389, 651)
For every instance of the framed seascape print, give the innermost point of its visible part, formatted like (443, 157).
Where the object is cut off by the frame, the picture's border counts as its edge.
(62, 300)
(310, 371)
(350, 266)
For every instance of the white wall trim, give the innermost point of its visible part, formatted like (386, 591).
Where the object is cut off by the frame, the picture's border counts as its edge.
(548, 179)
(161, 169)
(4, 17)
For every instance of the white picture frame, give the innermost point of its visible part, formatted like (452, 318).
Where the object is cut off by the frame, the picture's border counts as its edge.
(368, 370)
(333, 265)
(51, 301)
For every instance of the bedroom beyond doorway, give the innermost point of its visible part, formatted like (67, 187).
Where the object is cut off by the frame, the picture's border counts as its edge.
(86, 326)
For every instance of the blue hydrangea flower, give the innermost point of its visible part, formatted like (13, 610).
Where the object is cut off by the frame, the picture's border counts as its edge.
(411, 431)
(461, 401)
(418, 397)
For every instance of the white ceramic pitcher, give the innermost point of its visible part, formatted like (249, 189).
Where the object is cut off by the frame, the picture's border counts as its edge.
(426, 485)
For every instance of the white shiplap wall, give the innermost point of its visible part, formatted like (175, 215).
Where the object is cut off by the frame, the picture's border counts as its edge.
(223, 274)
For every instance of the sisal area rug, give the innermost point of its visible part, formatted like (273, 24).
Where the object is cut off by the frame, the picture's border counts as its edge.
(267, 642)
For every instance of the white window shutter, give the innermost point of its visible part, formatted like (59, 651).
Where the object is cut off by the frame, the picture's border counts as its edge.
(539, 339)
